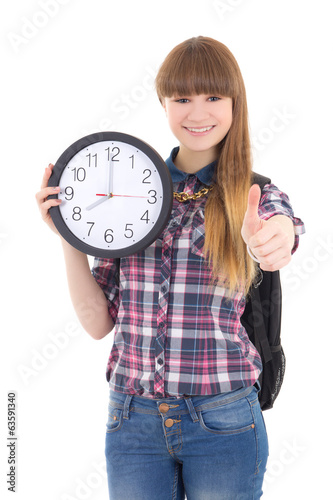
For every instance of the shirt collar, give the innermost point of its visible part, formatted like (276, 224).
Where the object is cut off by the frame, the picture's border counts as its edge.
(205, 175)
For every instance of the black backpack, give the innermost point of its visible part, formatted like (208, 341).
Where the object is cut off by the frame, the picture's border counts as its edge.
(262, 322)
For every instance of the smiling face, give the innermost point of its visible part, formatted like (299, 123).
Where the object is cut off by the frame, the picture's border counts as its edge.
(200, 123)
(200, 86)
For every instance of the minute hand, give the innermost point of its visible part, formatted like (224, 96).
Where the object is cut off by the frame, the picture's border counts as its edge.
(110, 177)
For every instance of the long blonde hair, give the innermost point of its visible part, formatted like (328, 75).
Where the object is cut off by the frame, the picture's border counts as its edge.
(202, 65)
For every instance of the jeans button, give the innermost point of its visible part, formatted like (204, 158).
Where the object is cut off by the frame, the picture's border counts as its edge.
(169, 422)
(164, 408)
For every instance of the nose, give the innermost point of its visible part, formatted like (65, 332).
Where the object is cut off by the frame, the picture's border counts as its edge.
(197, 112)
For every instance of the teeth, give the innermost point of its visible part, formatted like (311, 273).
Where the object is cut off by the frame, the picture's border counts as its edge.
(205, 129)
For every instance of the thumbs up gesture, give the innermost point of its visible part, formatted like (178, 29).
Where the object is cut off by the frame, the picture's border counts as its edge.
(269, 241)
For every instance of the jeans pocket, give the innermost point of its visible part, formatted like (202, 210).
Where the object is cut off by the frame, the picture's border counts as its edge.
(115, 419)
(232, 418)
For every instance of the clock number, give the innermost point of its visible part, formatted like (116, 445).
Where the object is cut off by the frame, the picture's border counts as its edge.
(79, 174)
(69, 191)
(92, 225)
(76, 213)
(108, 236)
(152, 196)
(145, 179)
(129, 231)
(132, 158)
(118, 151)
(93, 156)
(145, 217)
(113, 149)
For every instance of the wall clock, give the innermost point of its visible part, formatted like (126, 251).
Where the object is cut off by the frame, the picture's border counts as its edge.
(116, 194)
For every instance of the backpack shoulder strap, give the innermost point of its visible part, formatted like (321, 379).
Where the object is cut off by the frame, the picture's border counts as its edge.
(260, 333)
(259, 325)
(260, 179)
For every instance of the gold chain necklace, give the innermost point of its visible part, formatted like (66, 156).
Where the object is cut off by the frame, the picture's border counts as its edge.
(181, 197)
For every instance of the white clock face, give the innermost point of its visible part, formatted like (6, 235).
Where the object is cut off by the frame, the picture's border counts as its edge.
(112, 195)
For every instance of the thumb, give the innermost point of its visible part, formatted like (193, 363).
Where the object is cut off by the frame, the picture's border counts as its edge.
(252, 222)
(253, 201)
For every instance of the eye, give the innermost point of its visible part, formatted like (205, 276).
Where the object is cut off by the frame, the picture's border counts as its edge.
(183, 100)
(214, 99)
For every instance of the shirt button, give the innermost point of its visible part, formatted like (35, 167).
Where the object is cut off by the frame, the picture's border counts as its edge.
(164, 289)
(167, 253)
(160, 361)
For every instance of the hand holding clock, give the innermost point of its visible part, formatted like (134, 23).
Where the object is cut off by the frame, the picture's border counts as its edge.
(44, 203)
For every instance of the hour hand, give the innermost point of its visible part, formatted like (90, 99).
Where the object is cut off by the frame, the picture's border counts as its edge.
(103, 198)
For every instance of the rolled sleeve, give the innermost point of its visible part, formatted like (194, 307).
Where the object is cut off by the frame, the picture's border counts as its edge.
(275, 202)
(106, 273)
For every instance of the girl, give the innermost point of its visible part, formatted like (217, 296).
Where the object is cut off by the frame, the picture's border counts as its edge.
(184, 416)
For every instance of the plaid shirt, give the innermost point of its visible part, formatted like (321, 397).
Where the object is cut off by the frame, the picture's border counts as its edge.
(175, 332)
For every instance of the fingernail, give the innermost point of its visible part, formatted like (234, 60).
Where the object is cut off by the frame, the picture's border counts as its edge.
(57, 188)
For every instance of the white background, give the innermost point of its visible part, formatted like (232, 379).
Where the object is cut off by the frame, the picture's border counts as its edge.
(73, 67)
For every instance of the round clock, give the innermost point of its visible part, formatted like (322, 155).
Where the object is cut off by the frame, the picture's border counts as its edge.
(116, 194)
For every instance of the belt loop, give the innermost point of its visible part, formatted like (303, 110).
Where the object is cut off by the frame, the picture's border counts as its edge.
(191, 409)
(127, 405)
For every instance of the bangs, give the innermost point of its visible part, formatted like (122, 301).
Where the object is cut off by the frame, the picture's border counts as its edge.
(199, 66)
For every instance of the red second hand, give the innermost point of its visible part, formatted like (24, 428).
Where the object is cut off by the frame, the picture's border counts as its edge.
(122, 195)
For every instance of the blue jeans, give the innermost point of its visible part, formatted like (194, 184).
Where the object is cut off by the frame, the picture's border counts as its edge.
(204, 447)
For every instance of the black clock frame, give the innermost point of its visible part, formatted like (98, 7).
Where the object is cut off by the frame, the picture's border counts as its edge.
(167, 187)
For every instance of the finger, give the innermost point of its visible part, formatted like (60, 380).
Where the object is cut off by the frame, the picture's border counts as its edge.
(45, 192)
(252, 222)
(273, 256)
(47, 175)
(46, 205)
(267, 232)
(253, 201)
(277, 242)
(277, 265)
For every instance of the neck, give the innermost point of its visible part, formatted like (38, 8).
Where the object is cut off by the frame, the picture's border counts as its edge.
(192, 161)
